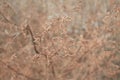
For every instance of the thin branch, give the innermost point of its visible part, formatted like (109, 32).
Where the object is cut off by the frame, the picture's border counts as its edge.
(5, 17)
(53, 69)
(33, 39)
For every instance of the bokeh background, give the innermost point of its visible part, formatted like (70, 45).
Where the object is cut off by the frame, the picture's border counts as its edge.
(59, 39)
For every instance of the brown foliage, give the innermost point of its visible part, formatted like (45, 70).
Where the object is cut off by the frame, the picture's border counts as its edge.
(39, 48)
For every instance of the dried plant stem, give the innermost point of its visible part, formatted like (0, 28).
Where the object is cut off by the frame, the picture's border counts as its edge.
(33, 39)
(5, 17)
(47, 65)
(53, 70)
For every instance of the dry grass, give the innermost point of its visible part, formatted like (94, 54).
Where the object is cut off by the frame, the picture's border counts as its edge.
(60, 48)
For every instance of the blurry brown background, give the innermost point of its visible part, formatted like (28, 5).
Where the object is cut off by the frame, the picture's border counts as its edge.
(59, 39)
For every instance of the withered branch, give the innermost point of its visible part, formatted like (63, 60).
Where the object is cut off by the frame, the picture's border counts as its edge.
(33, 39)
